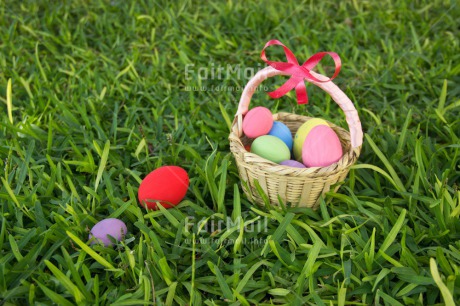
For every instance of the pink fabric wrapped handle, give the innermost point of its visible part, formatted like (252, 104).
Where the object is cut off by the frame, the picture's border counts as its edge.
(354, 124)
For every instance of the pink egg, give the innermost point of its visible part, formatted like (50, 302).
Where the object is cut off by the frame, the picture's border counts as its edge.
(257, 122)
(321, 147)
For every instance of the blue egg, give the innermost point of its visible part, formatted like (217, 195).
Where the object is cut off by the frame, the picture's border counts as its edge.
(281, 131)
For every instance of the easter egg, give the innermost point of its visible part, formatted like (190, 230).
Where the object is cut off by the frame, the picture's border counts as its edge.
(271, 148)
(257, 122)
(108, 227)
(321, 147)
(302, 133)
(281, 131)
(166, 185)
(292, 163)
(248, 148)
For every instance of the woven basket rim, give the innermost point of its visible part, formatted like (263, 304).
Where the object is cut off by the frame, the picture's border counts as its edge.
(348, 158)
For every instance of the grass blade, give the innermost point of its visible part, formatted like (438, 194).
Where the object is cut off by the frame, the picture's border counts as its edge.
(226, 116)
(227, 293)
(53, 296)
(388, 299)
(390, 238)
(387, 164)
(9, 101)
(442, 98)
(66, 282)
(307, 269)
(104, 158)
(403, 136)
(90, 252)
(171, 292)
(222, 187)
(446, 294)
(250, 272)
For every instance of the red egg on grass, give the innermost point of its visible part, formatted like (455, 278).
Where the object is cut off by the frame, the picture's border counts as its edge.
(166, 185)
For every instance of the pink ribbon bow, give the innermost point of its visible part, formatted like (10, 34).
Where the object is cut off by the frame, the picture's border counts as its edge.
(299, 73)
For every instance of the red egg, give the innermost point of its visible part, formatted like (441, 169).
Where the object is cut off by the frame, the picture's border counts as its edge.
(166, 185)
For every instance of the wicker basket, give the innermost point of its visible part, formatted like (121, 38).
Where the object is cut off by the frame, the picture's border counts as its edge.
(293, 186)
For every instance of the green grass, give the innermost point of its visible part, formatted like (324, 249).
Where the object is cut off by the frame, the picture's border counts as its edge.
(98, 99)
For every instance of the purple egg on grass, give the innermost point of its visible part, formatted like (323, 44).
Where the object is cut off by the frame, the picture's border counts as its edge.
(292, 163)
(113, 227)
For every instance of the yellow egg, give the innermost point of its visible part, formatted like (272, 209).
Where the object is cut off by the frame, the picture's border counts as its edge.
(302, 133)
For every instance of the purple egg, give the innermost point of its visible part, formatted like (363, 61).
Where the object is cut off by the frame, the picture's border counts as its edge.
(292, 163)
(113, 227)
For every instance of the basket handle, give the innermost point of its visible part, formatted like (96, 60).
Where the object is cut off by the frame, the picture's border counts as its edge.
(354, 124)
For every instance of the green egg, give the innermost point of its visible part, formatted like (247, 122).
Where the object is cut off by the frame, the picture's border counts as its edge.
(271, 148)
